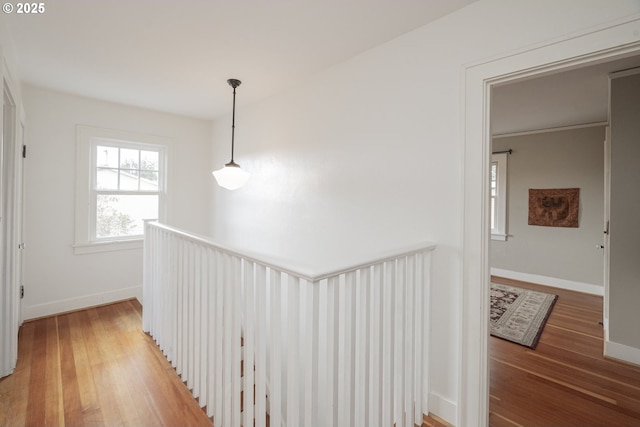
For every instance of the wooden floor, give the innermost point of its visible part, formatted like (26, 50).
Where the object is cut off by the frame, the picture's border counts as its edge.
(94, 368)
(565, 381)
(97, 368)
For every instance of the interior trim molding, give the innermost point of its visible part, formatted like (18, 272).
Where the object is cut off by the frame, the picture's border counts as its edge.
(79, 303)
(622, 352)
(547, 130)
(571, 285)
(444, 408)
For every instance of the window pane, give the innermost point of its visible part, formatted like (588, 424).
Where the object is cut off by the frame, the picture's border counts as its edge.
(106, 179)
(122, 215)
(494, 179)
(106, 156)
(129, 158)
(149, 160)
(148, 181)
(493, 213)
(128, 180)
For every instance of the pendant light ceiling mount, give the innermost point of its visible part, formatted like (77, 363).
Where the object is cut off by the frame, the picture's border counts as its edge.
(231, 176)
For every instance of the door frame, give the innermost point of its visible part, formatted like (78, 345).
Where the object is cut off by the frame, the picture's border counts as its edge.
(605, 236)
(608, 42)
(11, 224)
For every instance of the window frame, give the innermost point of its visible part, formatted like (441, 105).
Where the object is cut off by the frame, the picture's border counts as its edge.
(500, 231)
(88, 138)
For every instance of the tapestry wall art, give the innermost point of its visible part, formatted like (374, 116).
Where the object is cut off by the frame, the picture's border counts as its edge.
(558, 207)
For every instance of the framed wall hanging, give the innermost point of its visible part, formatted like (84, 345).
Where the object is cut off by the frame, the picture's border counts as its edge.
(558, 207)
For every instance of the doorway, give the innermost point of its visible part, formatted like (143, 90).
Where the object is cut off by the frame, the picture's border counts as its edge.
(598, 46)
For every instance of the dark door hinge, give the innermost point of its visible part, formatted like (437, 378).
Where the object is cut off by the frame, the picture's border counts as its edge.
(24, 151)
(21, 291)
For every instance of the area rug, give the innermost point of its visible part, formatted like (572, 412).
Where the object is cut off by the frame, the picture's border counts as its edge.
(519, 315)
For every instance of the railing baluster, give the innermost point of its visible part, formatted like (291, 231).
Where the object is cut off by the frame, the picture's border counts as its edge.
(211, 339)
(345, 367)
(204, 324)
(419, 333)
(183, 332)
(375, 349)
(188, 344)
(387, 343)
(293, 351)
(275, 359)
(360, 306)
(308, 348)
(261, 346)
(227, 340)
(249, 323)
(171, 297)
(196, 318)
(318, 353)
(236, 343)
(426, 280)
(332, 349)
(323, 356)
(409, 376)
(398, 343)
(220, 285)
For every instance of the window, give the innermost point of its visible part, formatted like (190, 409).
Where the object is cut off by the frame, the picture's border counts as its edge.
(499, 196)
(121, 181)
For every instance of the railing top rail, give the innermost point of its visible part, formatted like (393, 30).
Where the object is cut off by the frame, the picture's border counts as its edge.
(303, 272)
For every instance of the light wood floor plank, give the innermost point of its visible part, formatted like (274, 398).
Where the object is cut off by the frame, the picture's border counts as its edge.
(79, 323)
(71, 391)
(54, 412)
(102, 365)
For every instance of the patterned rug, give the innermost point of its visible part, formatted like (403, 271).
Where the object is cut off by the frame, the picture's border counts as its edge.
(518, 315)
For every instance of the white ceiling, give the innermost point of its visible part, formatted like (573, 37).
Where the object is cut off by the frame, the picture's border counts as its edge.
(176, 56)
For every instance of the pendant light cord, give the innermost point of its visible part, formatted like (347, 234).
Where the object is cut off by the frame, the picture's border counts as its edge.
(233, 123)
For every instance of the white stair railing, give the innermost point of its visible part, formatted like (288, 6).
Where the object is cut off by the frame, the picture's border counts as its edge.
(346, 347)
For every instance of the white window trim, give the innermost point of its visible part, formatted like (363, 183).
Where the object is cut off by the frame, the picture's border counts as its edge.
(500, 232)
(86, 137)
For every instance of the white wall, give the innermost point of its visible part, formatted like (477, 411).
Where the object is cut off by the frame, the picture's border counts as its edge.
(557, 256)
(368, 154)
(55, 279)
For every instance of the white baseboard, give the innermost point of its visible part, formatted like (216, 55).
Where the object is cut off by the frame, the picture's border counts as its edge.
(443, 408)
(71, 304)
(622, 352)
(586, 288)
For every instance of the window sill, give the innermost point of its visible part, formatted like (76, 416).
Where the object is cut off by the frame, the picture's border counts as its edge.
(500, 237)
(95, 247)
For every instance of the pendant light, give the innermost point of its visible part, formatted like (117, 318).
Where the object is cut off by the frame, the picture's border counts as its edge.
(231, 176)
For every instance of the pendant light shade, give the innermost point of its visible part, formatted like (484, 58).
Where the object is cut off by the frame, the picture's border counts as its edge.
(231, 176)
